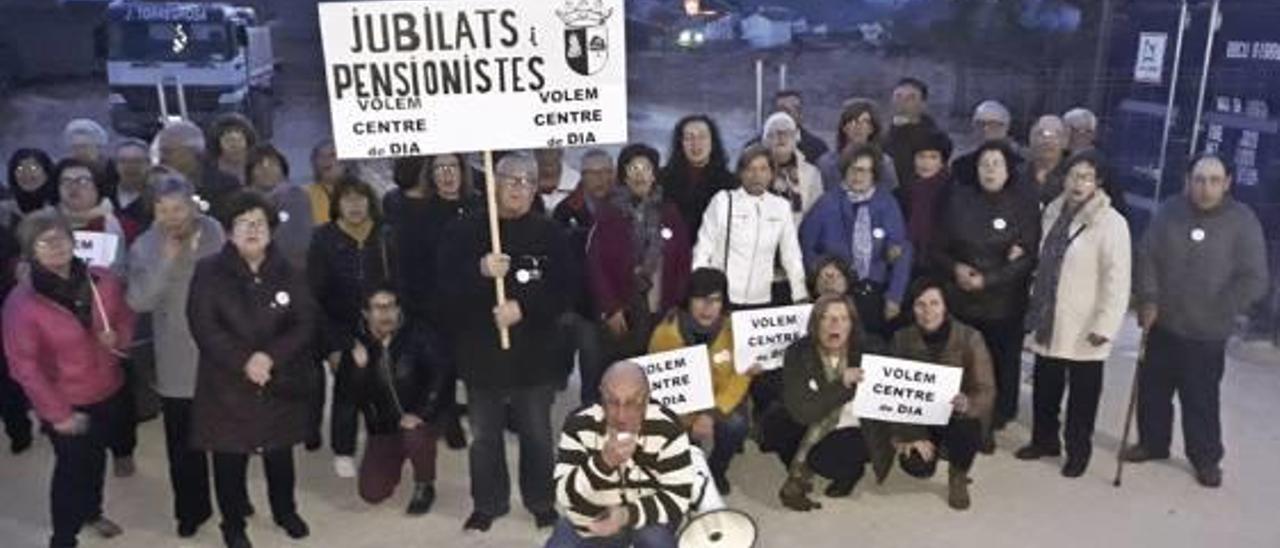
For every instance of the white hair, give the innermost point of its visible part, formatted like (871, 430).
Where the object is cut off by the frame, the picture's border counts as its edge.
(777, 121)
(1080, 118)
(517, 164)
(182, 133)
(992, 109)
(1052, 126)
(84, 127)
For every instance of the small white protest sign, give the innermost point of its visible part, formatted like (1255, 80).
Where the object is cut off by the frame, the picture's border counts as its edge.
(680, 379)
(906, 391)
(761, 337)
(96, 248)
(407, 78)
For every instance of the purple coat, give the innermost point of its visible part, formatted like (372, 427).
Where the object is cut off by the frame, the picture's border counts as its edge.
(611, 264)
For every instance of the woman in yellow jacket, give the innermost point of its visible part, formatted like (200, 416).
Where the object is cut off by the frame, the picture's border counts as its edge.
(704, 319)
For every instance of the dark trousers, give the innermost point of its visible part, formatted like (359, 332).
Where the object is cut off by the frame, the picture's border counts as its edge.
(587, 339)
(125, 439)
(730, 433)
(79, 470)
(962, 437)
(319, 393)
(229, 471)
(13, 406)
(1192, 369)
(344, 425)
(384, 458)
(1004, 341)
(650, 536)
(487, 456)
(188, 468)
(766, 393)
(842, 456)
(1052, 377)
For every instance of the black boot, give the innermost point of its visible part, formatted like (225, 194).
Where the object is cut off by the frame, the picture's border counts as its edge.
(234, 537)
(454, 436)
(423, 495)
(294, 526)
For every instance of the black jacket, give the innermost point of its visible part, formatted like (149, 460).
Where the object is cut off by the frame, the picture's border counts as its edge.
(235, 313)
(340, 270)
(540, 279)
(405, 378)
(979, 229)
(901, 144)
(679, 187)
(578, 221)
(416, 228)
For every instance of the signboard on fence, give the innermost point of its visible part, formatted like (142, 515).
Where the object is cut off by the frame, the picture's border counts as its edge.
(96, 248)
(906, 391)
(761, 337)
(1149, 69)
(408, 78)
(680, 379)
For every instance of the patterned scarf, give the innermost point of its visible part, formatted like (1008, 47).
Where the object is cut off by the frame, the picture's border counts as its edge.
(72, 293)
(833, 373)
(1044, 293)
(645, 217)
(862, 237)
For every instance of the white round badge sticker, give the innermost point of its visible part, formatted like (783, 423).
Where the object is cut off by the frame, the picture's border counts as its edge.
(878, 233)
(999, 223)
(282, 298)
(284, 216)
(523, 276)
(666, 233)
(1197, 234)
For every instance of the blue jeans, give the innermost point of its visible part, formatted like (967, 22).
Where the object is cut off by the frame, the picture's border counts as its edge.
(653, 536)
(531, 413)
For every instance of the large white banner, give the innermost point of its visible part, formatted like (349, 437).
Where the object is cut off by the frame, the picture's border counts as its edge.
(761, 337)
(412, 77)
(680, 379)
(906, 391)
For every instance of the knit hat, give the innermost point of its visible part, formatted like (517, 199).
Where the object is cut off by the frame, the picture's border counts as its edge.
(705, 282)
(934, 140)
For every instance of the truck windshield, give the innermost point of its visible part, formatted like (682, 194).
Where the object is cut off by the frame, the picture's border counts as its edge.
(170, 41)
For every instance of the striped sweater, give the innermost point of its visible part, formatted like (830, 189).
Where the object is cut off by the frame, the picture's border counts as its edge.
(656, 485)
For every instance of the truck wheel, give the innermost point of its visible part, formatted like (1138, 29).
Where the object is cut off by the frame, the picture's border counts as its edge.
(261, 111)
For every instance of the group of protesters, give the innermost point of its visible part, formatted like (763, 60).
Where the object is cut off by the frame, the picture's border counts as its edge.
(195, 267)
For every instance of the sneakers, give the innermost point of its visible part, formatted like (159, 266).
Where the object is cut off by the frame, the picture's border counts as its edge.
(1032, 451)
(124, 467)
(423, 495)
(958, 490)
(105, 528)
(344, 467)
(478, 522)
(546, 519)
(1138, 453)
(294, 526)
(1209, 476)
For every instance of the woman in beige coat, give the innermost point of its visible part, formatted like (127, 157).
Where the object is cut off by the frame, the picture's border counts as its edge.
(1079, 298)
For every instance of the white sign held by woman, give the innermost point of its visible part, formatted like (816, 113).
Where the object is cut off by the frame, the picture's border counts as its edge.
(407, 78)
(906, 391)
(761, 337)
(680, 379)
(96, 248)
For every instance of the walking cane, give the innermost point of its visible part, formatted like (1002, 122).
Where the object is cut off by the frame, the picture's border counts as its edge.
(1133, 404)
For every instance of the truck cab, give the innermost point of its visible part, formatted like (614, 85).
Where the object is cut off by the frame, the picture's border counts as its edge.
(186, 60)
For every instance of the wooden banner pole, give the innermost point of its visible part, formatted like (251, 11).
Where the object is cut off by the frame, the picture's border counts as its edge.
(491, 196)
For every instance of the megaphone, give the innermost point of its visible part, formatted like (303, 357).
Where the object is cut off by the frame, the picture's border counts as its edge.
(719, 529)
(712, 525)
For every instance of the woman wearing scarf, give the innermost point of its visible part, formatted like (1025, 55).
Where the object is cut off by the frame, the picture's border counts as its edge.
(817, 434)
(1079, 297)
(30, 175)
(697, 169)
(348, 256)
(638, 258)
(86, 210)
(936, 337)
(860, 223)
(704, 320)
(65, 331)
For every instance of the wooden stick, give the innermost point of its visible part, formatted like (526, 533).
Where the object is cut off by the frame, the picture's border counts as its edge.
(491, 196)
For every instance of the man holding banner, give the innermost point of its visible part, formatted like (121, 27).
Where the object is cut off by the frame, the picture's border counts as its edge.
(702, 321)
(937, 338)
(536, 265)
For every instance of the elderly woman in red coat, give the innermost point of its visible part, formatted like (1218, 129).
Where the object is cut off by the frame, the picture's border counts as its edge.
(65, 329)
(638, 255)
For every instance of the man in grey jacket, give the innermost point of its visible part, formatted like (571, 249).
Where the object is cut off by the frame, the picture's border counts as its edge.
(161, 264)
(1201, 263)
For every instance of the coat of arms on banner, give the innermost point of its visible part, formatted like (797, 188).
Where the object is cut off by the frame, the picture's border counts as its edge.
(586, 39)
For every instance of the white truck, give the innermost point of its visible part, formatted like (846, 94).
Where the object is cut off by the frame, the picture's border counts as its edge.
(187, 60)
